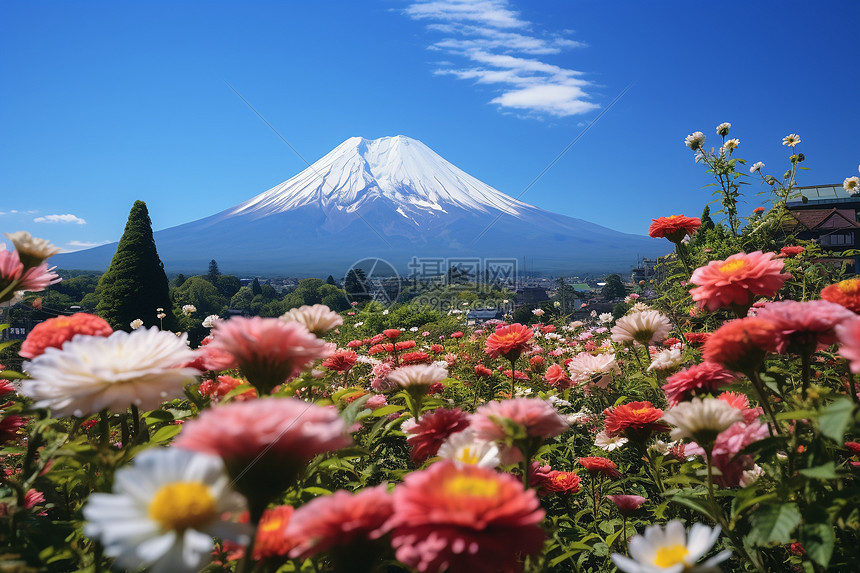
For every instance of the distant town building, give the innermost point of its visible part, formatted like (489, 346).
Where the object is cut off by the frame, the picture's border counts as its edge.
(828, 215)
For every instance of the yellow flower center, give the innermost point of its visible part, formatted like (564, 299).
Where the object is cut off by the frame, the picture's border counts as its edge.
(670, 555)
(733, 266)
(639, 411)
(849, 286)
(183, 505)
(468, 455)
(472, 487)
(271, 524)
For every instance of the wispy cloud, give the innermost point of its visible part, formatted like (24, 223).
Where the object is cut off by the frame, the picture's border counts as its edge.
(502, 49)
(78, 245)
(67, 218)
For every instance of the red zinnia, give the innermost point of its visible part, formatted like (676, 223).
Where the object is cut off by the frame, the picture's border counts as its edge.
(432, 429)
(482, 371)
(696, 380)
(391, 333)
(556, 375)
(627, 504)
(341, 361)
(509, 341)
(674, 228)
(217, 390)
(697, 338)
(546, 480)
(437, 348)
(465, 519)
(457, 334)
(415, 358)
(846, 293)
(55, 331)
(517, 374)
(636, 419)
(741, 345)
(790, 251)
(272, 539)
(597, 465)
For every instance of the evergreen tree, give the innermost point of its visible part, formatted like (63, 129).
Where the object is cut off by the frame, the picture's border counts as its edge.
(707, 222)
(614, 287)
(177, 282)
(256, 288)
(135, 285)
(330, 280)
(214, 273)
(355, 285)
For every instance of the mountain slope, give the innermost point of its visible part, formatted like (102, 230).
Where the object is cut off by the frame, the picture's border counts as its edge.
(391, 198)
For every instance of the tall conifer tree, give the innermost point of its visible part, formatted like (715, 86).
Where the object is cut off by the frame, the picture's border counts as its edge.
(135, 285)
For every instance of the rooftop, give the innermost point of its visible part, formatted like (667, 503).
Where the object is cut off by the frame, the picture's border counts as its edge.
(817, 194)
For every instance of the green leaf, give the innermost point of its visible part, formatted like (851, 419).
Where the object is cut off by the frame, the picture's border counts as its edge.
(386, 410)
(165, 433)
(835, 419)
(824, 471)
(818, 541)
(774, 523)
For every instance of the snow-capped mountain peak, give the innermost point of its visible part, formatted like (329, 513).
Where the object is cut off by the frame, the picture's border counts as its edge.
(399, 169)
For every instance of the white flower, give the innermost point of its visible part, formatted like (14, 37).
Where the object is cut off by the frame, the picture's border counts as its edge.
(31, 250)
(638, 307)
(463, 448)
(318, 318)
(582, 417)
(357, 324)
(791, 140)
(584, 366)
(750, 475)
(189, 309)
(385, 311)
(608, 443)
(91, 373)
(731, 144)
(575, 324)
(210, 320)
(164, 511)
(557, 402)
(701, 420)
(538, 312)
(695, 140)
(662, 447)
(646, 327)
(756, 167)
(723, 129)
(136, 323)
(418, 375)
(666, 359)
(413, 329)
(605, 317)
(670, 550)
(851, 184)
(159, 309)
(160, 315)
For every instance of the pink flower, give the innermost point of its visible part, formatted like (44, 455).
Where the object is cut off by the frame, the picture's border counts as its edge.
(848, 333)
(342, 524)
(728, 444)
(264, 443)
(804, 327)
(54, 332)
(627, 504)
(737, 280)
(465, 519)
(268, 350)
(376, 401)
(697, 380)
(742, 403)
(432, 429)
(537, 418)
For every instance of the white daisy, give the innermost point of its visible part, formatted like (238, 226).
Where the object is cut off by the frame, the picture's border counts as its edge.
(418, 375)
(851, 184)
(666, 359)
(670, 550)
(608, 443)
(464, 448)
(31, 250)
(731, 144)
(701, 420)
(164, 511)
(318, 318)
(135, 324)
(791, 140)
(210, 320)
(605, 317)
(188, 309)
(695, 140)
(91, 373)
(723, 129)
(646, 327)
(756, 167)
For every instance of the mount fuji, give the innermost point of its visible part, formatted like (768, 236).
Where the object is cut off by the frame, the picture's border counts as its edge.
(392, 198)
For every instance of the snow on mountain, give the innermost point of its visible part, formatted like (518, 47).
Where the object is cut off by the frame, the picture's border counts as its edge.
(392, 198)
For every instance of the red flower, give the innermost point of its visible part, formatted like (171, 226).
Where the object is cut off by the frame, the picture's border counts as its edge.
(415, 358)
(403, 345)
(597, 465)
(537, 363)
(740, 345)
(509, 341)
(355, 343)
(342, 524)
(378, 349)
(697, 338)
(341, 361)
(433, 428)
(457, 334)
(272, 539)
(482, 371)
(391, 333)
(697, 380)
(548, 328)
(375, 339)
(627, 504)
(216, 391)
(854, 447)
(437, 348)
(517, 374)
(55, 331)
(846, 293)
(546, 480)
(790, 251)
(9, 427)
(436, 388)
(556, 375)
(465, 520)
(737, 280)
(636, 419)
(674, 228)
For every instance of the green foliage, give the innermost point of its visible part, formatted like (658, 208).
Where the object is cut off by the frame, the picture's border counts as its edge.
(614, 287)
(135, 285)
(202, 294)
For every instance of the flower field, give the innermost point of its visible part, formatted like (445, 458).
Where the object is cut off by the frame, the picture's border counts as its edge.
(707, 424)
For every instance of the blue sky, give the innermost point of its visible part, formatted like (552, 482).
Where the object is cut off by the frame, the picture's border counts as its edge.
(104, 103)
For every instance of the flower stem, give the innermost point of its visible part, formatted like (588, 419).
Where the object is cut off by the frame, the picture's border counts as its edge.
(247, 563)
(762, 397)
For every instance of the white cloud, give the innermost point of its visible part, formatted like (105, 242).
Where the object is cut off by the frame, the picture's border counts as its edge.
(67, 218)
(78, 245)
(482, 32)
